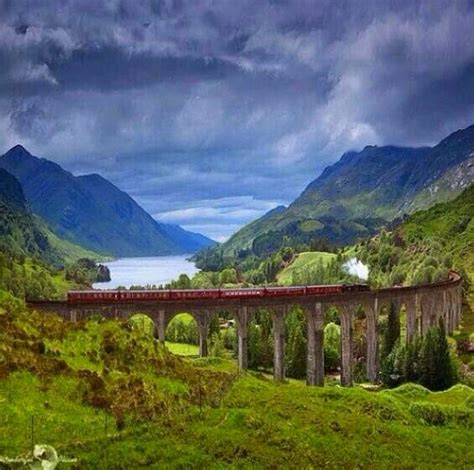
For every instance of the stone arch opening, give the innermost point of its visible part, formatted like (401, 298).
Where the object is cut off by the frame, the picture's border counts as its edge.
(223, 333)
(258, 337)
(181, 335)
(142, 322)
(360, 338)
(382, 326)
(331, 338)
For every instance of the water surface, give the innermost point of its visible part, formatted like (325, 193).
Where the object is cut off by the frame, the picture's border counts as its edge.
(150, 270)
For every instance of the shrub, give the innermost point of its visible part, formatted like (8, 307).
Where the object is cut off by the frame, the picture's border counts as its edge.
(217, 345)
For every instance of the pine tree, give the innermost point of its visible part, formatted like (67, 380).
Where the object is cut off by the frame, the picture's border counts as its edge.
(437, 368)
(393, 366)
(412, 360)
(295, 351)
(254, 345)
(392, 332)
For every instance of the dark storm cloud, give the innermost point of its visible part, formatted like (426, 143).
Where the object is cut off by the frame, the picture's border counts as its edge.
(210, 113)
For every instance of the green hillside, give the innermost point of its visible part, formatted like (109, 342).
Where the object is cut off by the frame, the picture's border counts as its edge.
(425, 246)
(32, 258)
(68, 251)
(91, 212)
(449, 224)
(305, 260)
(363, 191)
(110, 397)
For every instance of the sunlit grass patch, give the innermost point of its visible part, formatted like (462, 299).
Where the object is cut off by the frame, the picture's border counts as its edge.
(182, 349)
(304, 260)
(47, 412)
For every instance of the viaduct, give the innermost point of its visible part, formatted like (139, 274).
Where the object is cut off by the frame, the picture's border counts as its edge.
(425, 305)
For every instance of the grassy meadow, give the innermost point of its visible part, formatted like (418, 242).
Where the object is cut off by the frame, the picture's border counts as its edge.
(110, 396)
(305, 260)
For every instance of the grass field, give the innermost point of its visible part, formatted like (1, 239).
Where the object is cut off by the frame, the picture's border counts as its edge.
(305, 259)
(182, 349)
(256, 424)
(110, 396)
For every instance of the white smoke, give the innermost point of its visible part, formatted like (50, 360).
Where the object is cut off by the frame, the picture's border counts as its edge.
(357, 268)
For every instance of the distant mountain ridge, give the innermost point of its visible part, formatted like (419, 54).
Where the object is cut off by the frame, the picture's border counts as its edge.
(375, 184)
(92, 212)
(20, 235)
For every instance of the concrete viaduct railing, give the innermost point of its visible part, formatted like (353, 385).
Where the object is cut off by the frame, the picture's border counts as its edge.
(425, 305)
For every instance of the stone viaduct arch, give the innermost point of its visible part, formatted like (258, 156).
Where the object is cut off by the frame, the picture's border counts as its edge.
(425, 305)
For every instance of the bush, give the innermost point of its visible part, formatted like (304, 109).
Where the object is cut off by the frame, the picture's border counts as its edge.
(217, 345)
(229, 337)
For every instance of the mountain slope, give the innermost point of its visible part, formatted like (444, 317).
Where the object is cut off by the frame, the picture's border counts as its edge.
(449, 224)
(375, 184)
(424, 246)
(19, 233)
(92, 212)
(192, 241)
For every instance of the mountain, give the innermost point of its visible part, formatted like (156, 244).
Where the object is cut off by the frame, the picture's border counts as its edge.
(449, 225)
(191, 240)
(424, 246)
(90, 211)
(364, 190)
(19, 233)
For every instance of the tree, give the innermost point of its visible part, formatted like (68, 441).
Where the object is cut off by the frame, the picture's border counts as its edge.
(271, 266)
(436, 364)
(332, 338)
(217, 345)
(393, 366)
(412, 360)
(392, 331)
(183, 282)
(295, 350)
(228, 276)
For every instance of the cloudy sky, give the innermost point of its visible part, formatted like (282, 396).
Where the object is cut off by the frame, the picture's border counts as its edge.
(210, 113)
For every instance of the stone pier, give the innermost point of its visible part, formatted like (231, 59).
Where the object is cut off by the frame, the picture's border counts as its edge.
(315, 351)
(278, 318)
(345, 313)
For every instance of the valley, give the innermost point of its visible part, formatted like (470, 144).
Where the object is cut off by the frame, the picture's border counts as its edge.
(174, 385)
(236, 235)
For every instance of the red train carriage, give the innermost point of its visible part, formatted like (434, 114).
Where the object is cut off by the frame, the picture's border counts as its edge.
(324, 290)
(99, 296)
(291, 291)
(193, 294)
(248, 293)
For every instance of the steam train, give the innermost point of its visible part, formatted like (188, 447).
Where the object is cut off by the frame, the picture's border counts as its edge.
(98, 296)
